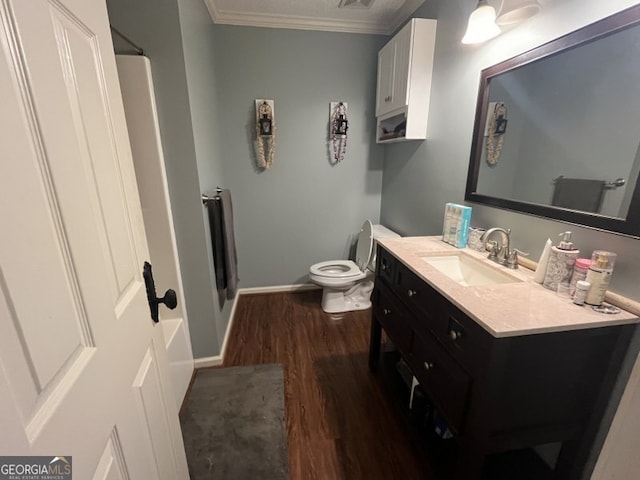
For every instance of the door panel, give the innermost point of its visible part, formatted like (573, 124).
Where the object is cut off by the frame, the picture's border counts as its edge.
(151, 408)
(111, 465)
(74, 320)
(87, 93)
(401, 68)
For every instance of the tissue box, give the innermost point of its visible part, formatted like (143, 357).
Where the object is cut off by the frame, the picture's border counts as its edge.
(456, 224)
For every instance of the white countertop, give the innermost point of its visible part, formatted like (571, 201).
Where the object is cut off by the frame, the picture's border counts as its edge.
(504, 310)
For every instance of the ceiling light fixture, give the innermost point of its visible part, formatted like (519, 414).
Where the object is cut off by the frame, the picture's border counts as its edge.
(516, 11)
(482, 24)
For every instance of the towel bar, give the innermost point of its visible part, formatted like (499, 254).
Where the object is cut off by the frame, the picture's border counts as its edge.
(206, 198)
(608, 185)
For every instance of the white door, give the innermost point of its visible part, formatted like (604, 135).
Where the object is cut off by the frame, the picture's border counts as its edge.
(83, 371)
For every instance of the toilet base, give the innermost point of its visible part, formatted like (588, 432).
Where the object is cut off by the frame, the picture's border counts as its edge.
(357, 297)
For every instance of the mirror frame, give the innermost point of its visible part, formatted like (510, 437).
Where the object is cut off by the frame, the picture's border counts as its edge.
(630, 225)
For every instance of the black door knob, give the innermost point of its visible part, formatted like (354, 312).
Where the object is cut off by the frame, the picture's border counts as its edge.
(170, 298)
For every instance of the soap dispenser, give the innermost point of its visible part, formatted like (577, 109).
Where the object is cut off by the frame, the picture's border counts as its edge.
(561, 261)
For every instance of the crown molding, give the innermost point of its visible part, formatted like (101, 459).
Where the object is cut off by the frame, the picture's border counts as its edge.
(403, 14)
(254, 19)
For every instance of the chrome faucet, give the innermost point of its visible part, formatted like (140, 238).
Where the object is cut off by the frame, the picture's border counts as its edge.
(500, 252)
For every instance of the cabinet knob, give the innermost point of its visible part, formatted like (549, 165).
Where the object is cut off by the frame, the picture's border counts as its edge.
(411, 293)
(384, 265)
(428, 366)
(454, 334)
(386, 311)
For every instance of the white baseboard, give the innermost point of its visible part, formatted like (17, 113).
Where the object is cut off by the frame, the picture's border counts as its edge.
(205, 362)
(279, 288)
(218, 360)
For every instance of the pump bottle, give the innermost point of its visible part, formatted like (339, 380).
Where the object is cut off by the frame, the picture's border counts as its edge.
(561, 261)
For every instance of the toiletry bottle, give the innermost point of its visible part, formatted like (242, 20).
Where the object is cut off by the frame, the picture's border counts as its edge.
(582, 288)
(561, 261)
(541, 269)
(580, 270)
(599, 276)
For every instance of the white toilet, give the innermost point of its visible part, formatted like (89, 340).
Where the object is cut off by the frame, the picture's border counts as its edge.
(347, 285)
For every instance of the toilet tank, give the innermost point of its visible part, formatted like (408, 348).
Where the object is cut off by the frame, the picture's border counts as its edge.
(379, 231)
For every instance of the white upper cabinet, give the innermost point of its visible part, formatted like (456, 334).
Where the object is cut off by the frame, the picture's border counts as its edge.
(405, 64)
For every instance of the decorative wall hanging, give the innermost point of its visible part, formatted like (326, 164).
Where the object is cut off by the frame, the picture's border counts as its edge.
(338, 126)
(265, 133)
(495, 130)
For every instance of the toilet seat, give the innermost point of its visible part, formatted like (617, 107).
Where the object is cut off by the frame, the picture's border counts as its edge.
(346, 285)
(335, 269)
(347, 270)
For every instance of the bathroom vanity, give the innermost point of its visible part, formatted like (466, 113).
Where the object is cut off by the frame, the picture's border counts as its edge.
(505, 363)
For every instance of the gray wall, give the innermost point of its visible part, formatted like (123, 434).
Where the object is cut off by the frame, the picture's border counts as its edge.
(419, 178)
(303, 210)
(155, 25)
(200, 63)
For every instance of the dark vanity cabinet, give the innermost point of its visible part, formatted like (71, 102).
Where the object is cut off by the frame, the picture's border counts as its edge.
(496, 394)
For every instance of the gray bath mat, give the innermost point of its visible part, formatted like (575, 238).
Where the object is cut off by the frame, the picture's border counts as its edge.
(233, 424)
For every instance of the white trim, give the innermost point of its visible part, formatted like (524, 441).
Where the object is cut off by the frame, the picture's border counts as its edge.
(205, 362)
(218, 360)
(213, 10)
(403, 14)
(279, 288)
(256, 19)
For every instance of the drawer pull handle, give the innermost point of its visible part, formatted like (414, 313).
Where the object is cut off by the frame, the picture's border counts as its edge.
(411, 293)
(454, 334)
(384, 266)
(428, 366)
(386, 311)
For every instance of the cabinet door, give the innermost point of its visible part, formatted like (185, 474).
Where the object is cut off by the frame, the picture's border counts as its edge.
(442, 379)
(393, 318)
(401, 67)
(385, 78)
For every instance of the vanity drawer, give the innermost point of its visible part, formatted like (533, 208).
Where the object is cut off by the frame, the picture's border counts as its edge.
(427, 304)
(386, 265)
(465, 340)
(442, 379)
(393, 318)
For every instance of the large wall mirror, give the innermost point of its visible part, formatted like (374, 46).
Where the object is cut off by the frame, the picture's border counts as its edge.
(557, 129)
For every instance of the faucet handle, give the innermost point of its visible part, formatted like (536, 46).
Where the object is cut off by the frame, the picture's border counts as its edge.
(493, 249)
(512, 261)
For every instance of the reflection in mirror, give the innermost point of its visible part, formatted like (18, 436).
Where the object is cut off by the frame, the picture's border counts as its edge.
(558, 129)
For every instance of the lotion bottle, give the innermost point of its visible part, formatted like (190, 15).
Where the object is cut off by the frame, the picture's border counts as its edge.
(561, 261)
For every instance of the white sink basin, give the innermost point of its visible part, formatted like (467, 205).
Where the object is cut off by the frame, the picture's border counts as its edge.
(468, 271)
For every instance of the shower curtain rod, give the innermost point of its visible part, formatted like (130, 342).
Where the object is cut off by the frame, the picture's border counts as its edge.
(138, 50)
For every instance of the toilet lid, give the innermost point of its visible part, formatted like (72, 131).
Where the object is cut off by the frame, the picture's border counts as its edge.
(364, 249)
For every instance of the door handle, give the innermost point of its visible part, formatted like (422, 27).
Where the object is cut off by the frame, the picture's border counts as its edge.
(170, 298)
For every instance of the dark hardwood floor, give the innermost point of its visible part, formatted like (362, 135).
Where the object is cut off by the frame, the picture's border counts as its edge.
(341, 423)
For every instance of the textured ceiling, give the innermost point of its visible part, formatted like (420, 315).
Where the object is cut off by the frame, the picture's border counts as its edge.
(381, 16)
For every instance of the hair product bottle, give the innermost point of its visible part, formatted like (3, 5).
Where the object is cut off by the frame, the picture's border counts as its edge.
(599, 276)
